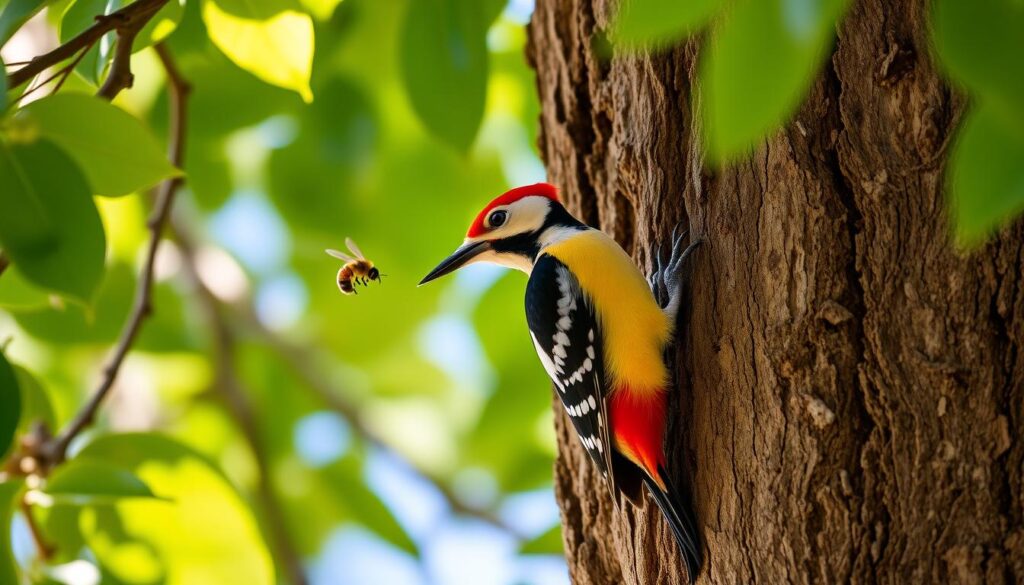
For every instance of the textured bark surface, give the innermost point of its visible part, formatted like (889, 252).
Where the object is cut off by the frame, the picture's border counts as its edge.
(852, 386)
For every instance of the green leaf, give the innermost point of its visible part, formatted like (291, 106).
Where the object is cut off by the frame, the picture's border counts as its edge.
(86, 482)
(444, 67)
(115, 150)
(277, 48)
(49, 225)
(204, 533)
(15, 14)
(35, 402)
(981, 44)
(660, 22)
(986, 174)
(547, 543)
(163, 23)
(17, 293)
(9, 491)
(10, 398)
(759, 66)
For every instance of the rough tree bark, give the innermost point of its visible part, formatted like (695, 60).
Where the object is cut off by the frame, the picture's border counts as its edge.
(852, 385)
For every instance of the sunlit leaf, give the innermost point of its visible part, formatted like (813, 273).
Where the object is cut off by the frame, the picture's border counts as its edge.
(981, 44)
(444, 65)
(547, 543)
(9, 491)
(163, 23)
(115, 151)
(657, 22)
(202, 533)
(321, 9)
(49, 225)
(15, 14)
(18, 293)
(758, 67)
(86, 482)
(986, 174)
(278, 49)
(10, 398)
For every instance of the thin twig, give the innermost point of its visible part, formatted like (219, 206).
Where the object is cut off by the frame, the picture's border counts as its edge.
(63, 73)
(45, 550)
(236, 396)
(71, 68)
(178, 89)
(134, 16)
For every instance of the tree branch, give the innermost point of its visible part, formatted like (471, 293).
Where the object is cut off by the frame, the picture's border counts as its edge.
(178, 88)
(130, 18)
(120, 76)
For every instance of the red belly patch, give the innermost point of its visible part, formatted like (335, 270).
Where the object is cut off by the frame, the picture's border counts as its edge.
(638, 427)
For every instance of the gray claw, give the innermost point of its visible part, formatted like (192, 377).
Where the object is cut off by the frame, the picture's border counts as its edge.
(672, 274)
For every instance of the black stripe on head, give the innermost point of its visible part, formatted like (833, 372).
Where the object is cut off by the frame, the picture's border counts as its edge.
(528, 243)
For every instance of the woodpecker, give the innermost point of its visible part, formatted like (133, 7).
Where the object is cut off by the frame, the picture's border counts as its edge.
(601, 332)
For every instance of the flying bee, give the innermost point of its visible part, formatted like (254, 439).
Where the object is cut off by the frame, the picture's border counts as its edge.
(356, 270)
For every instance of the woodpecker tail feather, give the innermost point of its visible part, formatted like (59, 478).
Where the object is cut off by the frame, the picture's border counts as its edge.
(677, 511)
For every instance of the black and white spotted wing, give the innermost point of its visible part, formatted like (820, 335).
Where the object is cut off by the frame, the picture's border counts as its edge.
(568, 341)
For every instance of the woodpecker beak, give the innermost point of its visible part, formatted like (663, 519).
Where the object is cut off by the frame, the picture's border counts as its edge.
(458, 259)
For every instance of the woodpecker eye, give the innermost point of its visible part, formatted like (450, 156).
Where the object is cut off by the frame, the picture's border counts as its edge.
(498, 218)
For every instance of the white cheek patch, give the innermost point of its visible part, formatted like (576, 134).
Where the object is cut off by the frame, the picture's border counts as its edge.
(525, 215)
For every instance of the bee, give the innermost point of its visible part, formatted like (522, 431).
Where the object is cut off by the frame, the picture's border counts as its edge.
(356, 270)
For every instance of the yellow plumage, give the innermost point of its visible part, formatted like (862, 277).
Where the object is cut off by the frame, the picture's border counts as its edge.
(635, 328)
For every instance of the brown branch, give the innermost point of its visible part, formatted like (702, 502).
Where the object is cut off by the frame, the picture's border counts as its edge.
(131, 17)
(231, 388)
(45, 549)
(4, 262)
(120, 76)
(178, 89)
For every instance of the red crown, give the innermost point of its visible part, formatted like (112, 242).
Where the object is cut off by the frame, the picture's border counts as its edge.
(511, 196)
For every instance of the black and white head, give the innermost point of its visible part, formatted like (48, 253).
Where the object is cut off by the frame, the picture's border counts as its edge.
(511, 230)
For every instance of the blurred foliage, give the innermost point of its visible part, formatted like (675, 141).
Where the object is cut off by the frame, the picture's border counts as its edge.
(761, 56)
(416, 110)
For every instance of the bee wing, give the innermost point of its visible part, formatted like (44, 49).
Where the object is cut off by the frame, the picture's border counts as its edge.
(354, 248)
(339, 255)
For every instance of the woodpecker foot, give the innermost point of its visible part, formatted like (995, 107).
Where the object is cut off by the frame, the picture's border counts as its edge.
(667, 279)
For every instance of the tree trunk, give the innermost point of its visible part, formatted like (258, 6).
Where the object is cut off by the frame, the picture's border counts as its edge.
(851, 386)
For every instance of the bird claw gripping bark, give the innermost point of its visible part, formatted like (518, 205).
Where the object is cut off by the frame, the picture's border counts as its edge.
(667, 278)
